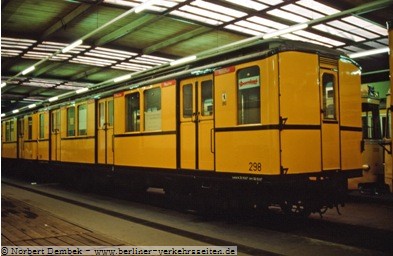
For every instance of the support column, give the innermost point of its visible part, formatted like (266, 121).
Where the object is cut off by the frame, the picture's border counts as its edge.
(389, 103)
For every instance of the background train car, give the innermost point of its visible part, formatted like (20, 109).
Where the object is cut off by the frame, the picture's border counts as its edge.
(9, 139)
(372, 149)
(278, 123)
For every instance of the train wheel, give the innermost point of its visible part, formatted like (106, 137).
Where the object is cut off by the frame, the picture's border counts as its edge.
(295, 208)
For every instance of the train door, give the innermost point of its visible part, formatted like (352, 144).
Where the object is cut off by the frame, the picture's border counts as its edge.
(196, 123)
(20, 137)
(330, 120)
(55, 137)
(105, 131)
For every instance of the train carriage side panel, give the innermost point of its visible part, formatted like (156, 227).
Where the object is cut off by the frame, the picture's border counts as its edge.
(43, 136)
(350, 112)
(246, 112)
(30, 137)
(145, 127)
(77, 133)
(9, 139)
(300, 112)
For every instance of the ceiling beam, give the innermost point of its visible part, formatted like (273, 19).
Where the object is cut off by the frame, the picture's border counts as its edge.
(176, 39)
(66, 20)
(129, 28)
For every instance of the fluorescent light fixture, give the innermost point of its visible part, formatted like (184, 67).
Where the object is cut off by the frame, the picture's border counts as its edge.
(285, 30)
(145, 5)
(122, 78)
(2, 115)
(53, 99)
(72, 46)
(15, 111)
(183, 60)
(3, 84)
(28, 70)
(82, 90)
(32, 106)
(370, 52)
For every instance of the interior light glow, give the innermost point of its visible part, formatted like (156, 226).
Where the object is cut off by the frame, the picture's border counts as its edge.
(249, 4)
(82, 90)
(53, 99)
(183, 60)
(145, 5)
(368, 53)
(285, 30)
(122, 78)
(72, 46)
(311, 4)
(2, 115)
(219, 8)
(32, 106)
(28, 70)
(3, 84)
(287, 15)
(15, 111)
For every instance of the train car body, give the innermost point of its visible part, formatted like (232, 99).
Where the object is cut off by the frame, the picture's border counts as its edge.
(278, 123)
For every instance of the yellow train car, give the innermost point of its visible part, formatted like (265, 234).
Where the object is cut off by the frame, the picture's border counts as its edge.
(77, 133)
(276, 123)
(9, 139)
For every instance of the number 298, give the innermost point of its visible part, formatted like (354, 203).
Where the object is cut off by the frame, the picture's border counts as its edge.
(254, 166)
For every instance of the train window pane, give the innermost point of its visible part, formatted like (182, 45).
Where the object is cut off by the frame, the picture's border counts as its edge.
(110, 113)
(55, 121)
(42, 125)
(30, 128)
(101, 110)
(207, 98)
(328, 95)
(12, 131)
(71, 121)
(249, 93)
(132, 112)
(152, 109)
(7, 131)
(371, 121)
(187, 101)
(82, 119)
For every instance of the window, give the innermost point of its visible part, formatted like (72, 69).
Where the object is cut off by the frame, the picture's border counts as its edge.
(249, 91)
(101, 113)
(7, 131)
(55, 121)
(328, 95)
(12, 130)
(42, 126)
(82, 119)
(30, 128)
(71, 121)
(110, 113)
(187, 100)
(371, 121)
(152, 109)
(207, 98)
(132, 112)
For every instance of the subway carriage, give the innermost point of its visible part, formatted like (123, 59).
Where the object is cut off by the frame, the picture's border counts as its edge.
(278, 123)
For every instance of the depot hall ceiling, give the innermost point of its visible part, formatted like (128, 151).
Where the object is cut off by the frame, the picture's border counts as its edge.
(116, 42)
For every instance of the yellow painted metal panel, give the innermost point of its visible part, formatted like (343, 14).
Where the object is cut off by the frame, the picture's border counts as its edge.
(78, 150)
(299, 88)
(351, 158)
(243, 151)
(168, 104)
(350, 95)
(8, 150)
(330, 146)
(301, 150)
(187, 145)
(146, 151)
(43, 150)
